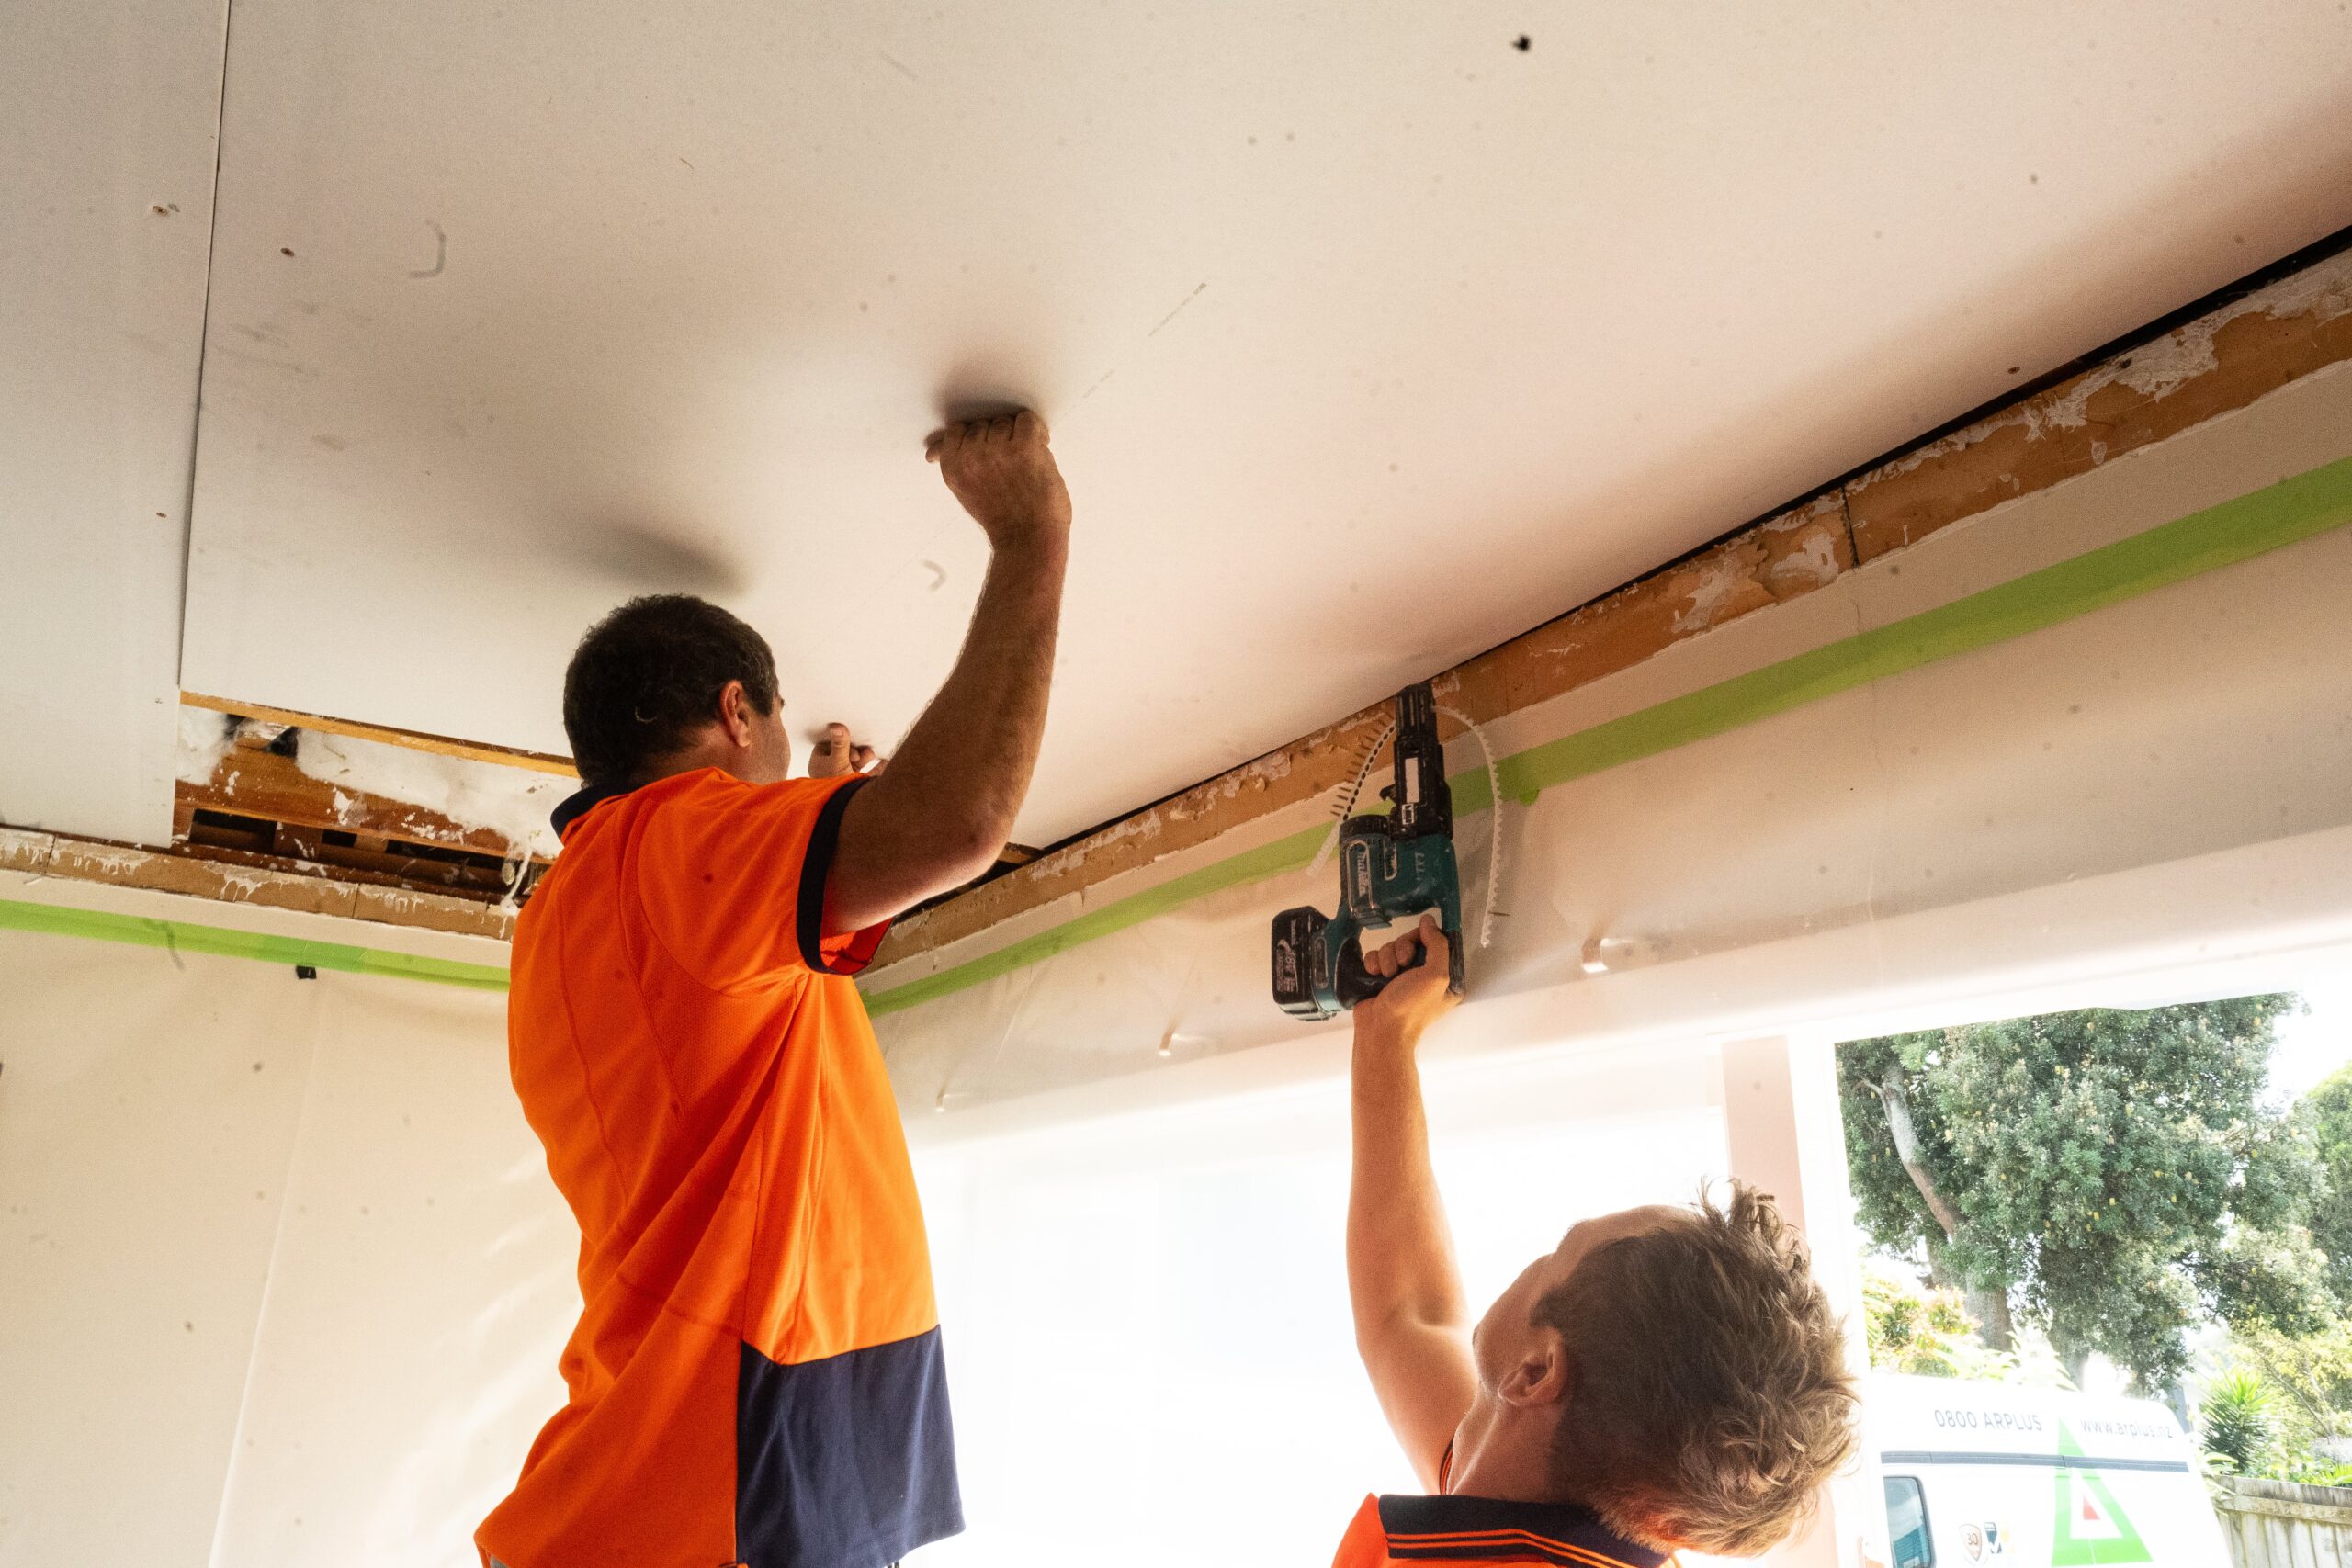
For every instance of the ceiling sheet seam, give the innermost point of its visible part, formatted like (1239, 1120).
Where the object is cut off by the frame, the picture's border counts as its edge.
(203, 344)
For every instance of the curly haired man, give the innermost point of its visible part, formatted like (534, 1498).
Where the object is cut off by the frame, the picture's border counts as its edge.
(1665, 1378)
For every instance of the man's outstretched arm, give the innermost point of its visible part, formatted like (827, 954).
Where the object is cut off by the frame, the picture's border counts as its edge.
(1412, 1325)
(942, 813)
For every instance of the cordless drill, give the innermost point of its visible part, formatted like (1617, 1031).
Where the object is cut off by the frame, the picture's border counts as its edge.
(1391, 866)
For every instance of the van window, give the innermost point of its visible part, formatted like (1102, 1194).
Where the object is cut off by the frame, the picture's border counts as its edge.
(1907, 1523)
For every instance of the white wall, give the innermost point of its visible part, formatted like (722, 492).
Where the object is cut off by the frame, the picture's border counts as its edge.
(283, 1276)
(147, 1110)
(421, 1290)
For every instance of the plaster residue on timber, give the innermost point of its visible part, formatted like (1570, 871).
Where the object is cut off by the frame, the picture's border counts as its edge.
(513, 803)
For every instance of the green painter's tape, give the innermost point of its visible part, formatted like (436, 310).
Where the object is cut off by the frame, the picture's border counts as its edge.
(181, 937)
(2220, 535)
(1291, 853)
(2292, 509)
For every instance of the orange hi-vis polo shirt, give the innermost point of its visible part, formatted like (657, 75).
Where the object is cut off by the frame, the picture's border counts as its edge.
(1484, 1531)
(756, 1376)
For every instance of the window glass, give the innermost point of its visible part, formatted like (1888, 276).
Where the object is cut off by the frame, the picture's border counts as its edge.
(1148, 1345)
(1907, 1523)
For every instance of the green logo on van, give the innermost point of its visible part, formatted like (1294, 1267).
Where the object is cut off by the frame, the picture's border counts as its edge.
(2091, 1527)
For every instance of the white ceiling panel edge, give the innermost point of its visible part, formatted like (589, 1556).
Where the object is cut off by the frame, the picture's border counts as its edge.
(109, 113)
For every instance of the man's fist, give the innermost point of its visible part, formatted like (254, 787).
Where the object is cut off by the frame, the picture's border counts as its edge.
(1004, 474)
(839, 754)
(1413, 999)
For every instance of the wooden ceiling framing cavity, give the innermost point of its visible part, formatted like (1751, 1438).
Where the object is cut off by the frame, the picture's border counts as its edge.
(439, 744)
(2249, 344)
(259, 830)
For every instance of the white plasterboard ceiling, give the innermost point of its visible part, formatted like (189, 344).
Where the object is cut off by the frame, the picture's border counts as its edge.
(108, 113)
(1370, 338)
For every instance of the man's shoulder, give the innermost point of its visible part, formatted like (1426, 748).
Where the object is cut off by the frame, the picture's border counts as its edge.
(680, 801)
(717, 793)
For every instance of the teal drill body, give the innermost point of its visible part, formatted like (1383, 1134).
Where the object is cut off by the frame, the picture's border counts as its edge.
(1391, 867)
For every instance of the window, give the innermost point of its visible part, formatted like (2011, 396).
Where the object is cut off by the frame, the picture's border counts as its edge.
(1907, 1523)
(1147, 1321)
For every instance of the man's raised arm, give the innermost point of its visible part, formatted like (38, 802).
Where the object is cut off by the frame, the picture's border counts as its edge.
(1412, 1325)
(943, 811)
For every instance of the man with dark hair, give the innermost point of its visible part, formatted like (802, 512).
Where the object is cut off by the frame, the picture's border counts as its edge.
(1667, 1378)
(756, 1377)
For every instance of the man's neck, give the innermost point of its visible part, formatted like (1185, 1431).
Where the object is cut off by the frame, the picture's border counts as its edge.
(1504, 1453)
(690, 761)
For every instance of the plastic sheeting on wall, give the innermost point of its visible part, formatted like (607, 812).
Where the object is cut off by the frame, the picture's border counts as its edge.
(285, 1276)
(285, 1280)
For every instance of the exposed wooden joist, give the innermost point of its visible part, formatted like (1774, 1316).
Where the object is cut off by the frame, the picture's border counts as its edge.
(2220, 361)
(472, 750)
(302, 856)
(262, 784)
(123, 865)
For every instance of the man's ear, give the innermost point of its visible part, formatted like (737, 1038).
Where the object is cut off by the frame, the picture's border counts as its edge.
(735, 713)
(1544, 1375)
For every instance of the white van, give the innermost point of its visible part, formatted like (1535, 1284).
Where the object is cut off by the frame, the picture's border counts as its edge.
(1986, 1473)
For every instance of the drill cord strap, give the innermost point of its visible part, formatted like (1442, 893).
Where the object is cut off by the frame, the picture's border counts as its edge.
(1355, 792)
(1494, 823)
(1494, 814)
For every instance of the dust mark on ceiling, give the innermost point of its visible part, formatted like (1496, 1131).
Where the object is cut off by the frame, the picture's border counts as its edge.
(648, 559)
(440, 254)
(983, 386)
(1177, 311)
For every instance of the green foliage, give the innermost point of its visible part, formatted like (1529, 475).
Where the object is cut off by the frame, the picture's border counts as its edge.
(2311, 1376)
(2272, 1278)
(2320, 1474)
(1927, 1332)
(1920, 1331)
(2115, 1171)
(2240, 1426)
(2325, 1117)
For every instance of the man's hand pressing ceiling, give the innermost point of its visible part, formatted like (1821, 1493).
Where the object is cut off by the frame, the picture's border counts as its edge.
(1003, 472)
(839, 754)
